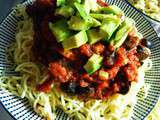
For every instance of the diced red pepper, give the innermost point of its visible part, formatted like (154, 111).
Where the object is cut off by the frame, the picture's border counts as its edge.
(45, 87)
(98, 48)
(86, 77)
(121, 57)
(102, 3)
(69, 54)
(83, 83)
(131, 72)
(86, 50)
(58, 71)
(100, 89)
(113, 72)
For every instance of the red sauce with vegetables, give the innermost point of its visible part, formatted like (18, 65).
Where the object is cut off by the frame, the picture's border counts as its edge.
(66, 67)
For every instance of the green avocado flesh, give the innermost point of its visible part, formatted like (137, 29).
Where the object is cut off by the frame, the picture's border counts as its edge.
(85, 21)
(75, 41)
(60, 30)
(93, 64)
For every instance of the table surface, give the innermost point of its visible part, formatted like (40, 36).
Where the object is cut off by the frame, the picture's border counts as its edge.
(6, 6)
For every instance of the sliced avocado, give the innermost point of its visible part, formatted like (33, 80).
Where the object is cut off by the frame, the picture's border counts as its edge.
(93, 64)
(112, 9)
(104, 74)
(87, 6)
(77, 23)
(109, 26)
(120, 42)
(75, 41)
(60, 2)
(122, 32)
(71, 2)
(60, 30)
(82, 12)
(90, 5)
(94, 35)
(100, 16)
(65, 11)
(95, 23)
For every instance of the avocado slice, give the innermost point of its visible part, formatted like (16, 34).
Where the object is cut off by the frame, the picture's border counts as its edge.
(60, 2)
(90, 5)
(60, 30)
(77, 23)
(75, 41)
(103, 74)
(109, 26)
(123, 31)
(95, 23)
(82, 12)
(100, 16)
(112, 9)
(65, 11)
(95, 35)
(93, 64)
(71, 2)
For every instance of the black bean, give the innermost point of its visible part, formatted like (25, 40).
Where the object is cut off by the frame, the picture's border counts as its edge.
(146, 43)
(82, 90)
(111, 82)
(74, 88)
(131, 42)
(142, 52)
(123, 82)
(124, 87)
(140, 49)
(110, 60)
(69, 87)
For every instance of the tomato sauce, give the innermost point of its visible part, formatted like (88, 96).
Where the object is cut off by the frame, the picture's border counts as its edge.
(66, 67)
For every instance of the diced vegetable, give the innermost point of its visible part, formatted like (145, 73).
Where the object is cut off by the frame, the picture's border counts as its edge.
(87, 6)
(95, 23)
(103, 75)
(71, 2)
(65, 11)
(122, 32)
(60, 30)
(77, 23)
(75, 41)
(61, 2)
(91, 5)
(100, 16)
(102, 3)
(109, 26)
(95, 35)
(112, 9)
(93, 64)
(83, 13)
